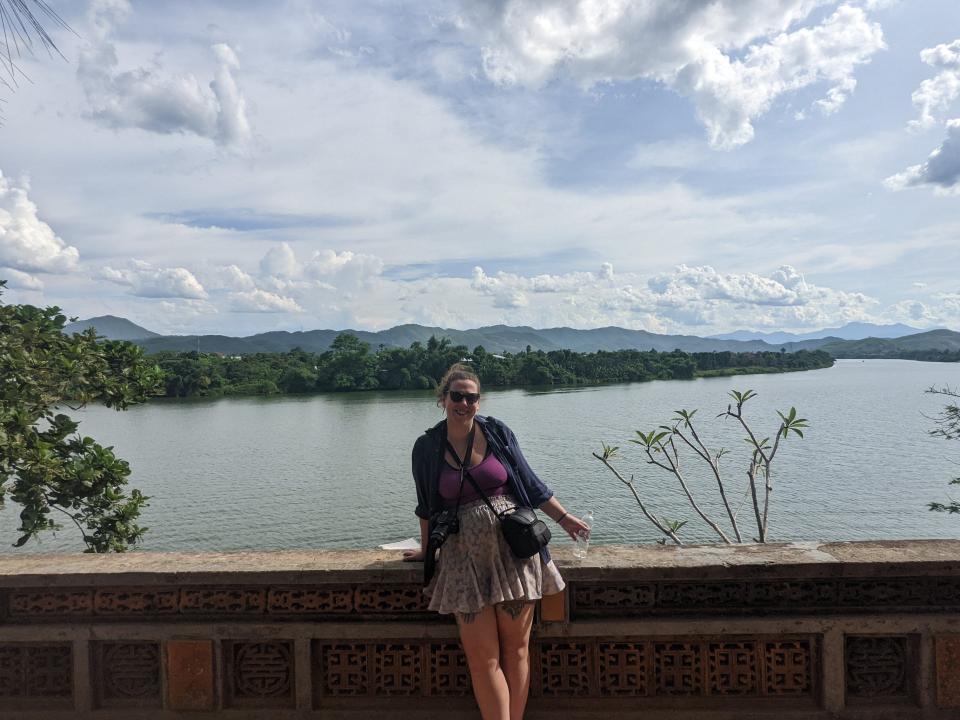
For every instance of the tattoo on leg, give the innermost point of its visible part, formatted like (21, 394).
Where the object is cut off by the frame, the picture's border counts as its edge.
(514, 608)
(467, 617)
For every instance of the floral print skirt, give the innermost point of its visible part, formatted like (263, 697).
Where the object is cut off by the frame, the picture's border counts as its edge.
(476, 567)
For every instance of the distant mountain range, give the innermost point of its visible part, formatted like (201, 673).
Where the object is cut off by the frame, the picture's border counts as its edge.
(504, 338)
(850, 331)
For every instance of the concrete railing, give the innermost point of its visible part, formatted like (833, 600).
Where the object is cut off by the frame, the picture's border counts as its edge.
(849, 630)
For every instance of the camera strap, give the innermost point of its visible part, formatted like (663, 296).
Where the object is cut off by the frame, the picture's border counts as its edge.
(465, 472)
(462, 463)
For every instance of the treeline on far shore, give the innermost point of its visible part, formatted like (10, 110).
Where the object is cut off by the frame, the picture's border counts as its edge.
(352, 365)
(929, 355)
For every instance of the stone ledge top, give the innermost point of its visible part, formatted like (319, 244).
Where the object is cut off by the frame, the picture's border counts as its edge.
(880, 558)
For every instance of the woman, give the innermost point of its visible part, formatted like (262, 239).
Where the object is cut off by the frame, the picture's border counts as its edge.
(479, 580)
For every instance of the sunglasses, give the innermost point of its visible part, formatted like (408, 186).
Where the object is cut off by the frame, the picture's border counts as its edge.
(457, 396)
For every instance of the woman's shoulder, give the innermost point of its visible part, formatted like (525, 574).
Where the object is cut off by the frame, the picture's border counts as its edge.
(430, 436)
(495, 425)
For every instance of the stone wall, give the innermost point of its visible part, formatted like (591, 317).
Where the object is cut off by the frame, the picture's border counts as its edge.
(849, 630)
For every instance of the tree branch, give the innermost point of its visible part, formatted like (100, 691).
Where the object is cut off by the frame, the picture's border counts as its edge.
(675, 469)
(629, 483)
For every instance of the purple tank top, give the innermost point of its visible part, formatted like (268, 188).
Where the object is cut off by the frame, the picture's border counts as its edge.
(489, 474)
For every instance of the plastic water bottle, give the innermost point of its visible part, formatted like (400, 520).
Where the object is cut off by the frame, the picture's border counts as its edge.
(583, 538)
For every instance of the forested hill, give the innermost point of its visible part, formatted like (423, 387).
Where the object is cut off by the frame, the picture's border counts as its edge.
(936, 345)
(495, 338)
(504, 338)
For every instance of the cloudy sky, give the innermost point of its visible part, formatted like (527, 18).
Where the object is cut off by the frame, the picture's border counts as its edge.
(691, 166)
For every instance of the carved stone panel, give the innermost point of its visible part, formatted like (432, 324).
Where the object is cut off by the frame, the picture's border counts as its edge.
(227, 601)
(343, 668)
(449, 674)
(884, 592)
(135, 602)
(47, 602)
(686, 596)
(876, 667)
(397, 669)
(36, 671)
(564, 668)
(376, 599)
(127, 673)
(786, 594)
(733, 668)
(678, 668)
(623, 667)
(595, 599)
(789, 667)
(309, 600)
(260, 673)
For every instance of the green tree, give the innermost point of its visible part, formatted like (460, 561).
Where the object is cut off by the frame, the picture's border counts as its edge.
(45, 465)
(349, 365)
(948, 428)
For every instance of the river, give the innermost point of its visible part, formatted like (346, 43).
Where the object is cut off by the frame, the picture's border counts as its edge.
(334, 470)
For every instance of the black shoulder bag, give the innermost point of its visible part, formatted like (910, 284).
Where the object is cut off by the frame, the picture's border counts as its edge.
(525, 533)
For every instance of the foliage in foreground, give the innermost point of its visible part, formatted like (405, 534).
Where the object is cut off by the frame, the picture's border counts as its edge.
(947, 426)
(46, 467)
(351, 365)
(665, 446)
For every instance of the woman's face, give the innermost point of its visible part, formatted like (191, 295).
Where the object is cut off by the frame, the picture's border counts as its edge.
(461, 410)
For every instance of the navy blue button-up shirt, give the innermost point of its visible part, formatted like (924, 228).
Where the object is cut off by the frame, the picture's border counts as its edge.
(522, 481)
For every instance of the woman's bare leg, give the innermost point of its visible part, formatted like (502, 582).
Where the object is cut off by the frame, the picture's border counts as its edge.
(514, 621)
(481, 644)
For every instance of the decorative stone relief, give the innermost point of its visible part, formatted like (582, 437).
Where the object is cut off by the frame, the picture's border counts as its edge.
(135, 602)
(47, 602)
(449, 674)
(36, 671)
(390, 599)
(876, 666)
(623, 668)
(775, 596)
(396, 669)
(128, 673)
(623, 599)
(227, 601)
(261, 673)
(789, 667)
(564, 668)
(677, 668)
(310, 600)
(343, 669)
(732, 668)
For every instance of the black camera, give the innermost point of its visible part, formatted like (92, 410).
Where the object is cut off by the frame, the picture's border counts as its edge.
(446, 523)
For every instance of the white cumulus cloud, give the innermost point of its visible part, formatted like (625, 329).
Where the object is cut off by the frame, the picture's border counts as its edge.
(146, 280)
(20, 280)
(346, 269)
(941, 169)
(280, 261)
(27, 243)
(732, 58)
(150, 98)
(262, 301)
(935, 95)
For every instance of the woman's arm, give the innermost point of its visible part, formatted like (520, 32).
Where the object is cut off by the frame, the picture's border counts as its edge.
(419, 555)
(572, 524)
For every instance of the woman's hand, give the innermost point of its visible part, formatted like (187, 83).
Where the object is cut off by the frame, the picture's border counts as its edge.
(413, 555)
(574, 526)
